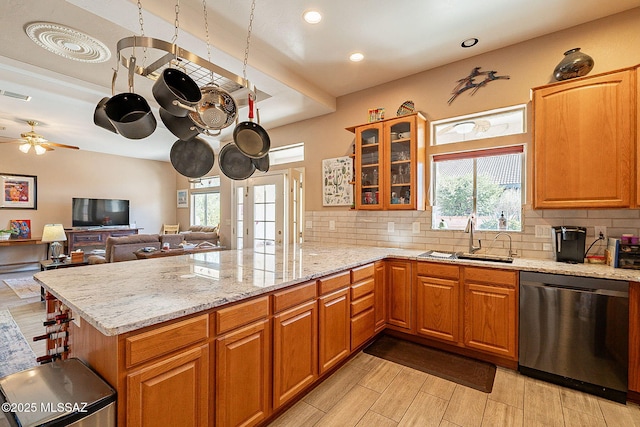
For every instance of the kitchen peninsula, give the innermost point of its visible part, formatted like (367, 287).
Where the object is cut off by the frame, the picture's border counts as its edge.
(231, 337)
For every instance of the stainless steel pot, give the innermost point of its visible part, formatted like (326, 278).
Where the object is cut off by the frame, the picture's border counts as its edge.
(216, 110)
(182, 127)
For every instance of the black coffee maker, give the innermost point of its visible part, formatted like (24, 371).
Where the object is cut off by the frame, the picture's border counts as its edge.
(569, 243)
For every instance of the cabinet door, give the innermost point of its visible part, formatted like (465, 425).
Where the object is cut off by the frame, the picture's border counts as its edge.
(490, 319)
(334, 328)
(380, 295)
(369, 173)
(400, 164)
(399, 293)
(575, 123)
(437, 308)
(242, 375)
(182, 380)
(295, 351)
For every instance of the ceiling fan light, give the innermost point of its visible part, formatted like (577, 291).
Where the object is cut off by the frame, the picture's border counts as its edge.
(40, 150)
(25, 147)
(464, 127)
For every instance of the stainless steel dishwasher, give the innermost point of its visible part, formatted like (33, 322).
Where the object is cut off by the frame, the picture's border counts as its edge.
(574, 332)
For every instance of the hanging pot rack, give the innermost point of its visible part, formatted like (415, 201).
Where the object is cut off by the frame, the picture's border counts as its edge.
(199, 69)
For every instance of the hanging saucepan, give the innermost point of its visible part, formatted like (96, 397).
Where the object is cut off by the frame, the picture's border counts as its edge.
(175, 85)
(261, 164)
(251, 138)
(192, 158)
(215, 111)
(182, 127)
(100, 116)
(129, 112)
(234, 164)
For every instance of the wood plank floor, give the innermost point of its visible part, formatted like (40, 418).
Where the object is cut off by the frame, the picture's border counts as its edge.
(371, 392)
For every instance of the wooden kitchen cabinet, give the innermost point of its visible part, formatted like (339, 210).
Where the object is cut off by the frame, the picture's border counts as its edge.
(334, 328)
(295, 350)
(242, 384)
(380, 295)
(583, 137)
(363, 319)
(438, 301)
(399, 294)
(490, 311)
(172, 392)
(390, 158)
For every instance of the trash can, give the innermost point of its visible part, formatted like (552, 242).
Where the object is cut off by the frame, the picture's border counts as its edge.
(61, 393)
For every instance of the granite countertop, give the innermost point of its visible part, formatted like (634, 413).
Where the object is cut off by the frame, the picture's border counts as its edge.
(120, 297)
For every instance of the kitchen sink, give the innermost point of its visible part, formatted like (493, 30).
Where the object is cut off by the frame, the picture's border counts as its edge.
(484, 257)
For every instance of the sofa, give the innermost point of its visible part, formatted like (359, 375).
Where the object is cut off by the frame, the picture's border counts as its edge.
(200, 233)
(123, 248)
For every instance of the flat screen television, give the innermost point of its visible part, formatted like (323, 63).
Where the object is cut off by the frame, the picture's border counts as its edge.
(99, 212)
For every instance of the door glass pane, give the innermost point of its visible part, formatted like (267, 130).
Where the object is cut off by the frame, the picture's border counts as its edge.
(400, 168)
(264, 228)
(240, 216)
(370, 166)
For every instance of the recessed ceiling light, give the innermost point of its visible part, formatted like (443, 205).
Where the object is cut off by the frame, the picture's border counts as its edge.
(67, 42)
(469, 42)
(356, 57)
(312, 16)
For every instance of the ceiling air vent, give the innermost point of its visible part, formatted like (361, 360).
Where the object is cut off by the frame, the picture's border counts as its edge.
(15, 95)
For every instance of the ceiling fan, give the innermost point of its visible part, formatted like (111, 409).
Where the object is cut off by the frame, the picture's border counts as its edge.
(37, 141)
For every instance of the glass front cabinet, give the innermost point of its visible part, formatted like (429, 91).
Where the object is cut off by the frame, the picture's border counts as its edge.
(390, 158)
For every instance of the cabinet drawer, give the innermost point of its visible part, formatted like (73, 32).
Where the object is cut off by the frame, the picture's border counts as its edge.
(362, 304)
(362, 328)
(360, 273)
(146, 346)
(438, 270)
(123, 233)
(332, 283)
(490, 275)
(360, 289)
(87, 238)
(294, 296)
(241, 314)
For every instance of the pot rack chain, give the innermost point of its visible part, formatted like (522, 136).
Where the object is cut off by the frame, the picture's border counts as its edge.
(246, 50)
(201, 71)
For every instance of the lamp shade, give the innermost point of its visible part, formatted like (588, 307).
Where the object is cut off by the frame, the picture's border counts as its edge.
(53, 233)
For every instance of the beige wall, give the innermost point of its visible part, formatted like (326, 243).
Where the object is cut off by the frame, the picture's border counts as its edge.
(63, 174)
(613, 42)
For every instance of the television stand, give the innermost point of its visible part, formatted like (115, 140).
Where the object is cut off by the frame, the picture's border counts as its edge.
(79, 239)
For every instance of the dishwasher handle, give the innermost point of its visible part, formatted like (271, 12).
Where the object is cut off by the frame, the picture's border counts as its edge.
(594, 291)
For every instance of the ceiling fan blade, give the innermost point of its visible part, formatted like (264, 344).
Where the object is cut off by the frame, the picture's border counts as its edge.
(55, 144)
(8, 139)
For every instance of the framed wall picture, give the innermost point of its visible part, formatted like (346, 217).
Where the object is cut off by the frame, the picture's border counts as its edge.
(337, 188)
(18, 191)
(21, 228)
(183, 198)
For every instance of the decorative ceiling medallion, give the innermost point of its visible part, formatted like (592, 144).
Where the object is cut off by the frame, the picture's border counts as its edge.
(67, 42)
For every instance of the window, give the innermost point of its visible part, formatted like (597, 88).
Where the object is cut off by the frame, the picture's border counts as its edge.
(205, 201)
(487, 183)
(488, 124)
(287, 154)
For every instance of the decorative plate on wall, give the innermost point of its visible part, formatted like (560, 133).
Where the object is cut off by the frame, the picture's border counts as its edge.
(407, 107)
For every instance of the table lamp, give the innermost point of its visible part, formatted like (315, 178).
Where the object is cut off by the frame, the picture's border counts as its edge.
(54, 234)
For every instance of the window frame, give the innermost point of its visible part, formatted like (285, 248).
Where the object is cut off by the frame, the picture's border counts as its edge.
(193, 192)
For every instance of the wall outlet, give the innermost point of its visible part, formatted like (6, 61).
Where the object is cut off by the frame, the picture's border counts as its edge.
(308, 224)
(332, 225)
(391, 226)
(547, 247)
(415, 228)
(600, 229)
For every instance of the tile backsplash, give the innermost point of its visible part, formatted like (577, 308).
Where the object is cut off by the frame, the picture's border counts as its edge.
(399, 229)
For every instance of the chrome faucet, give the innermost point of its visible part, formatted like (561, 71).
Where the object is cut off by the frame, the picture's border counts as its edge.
(511, 252)
(469, 229)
